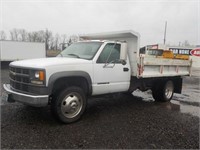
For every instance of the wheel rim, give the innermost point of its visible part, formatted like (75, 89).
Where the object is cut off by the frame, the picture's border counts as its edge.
(169, 90)
(71, 105)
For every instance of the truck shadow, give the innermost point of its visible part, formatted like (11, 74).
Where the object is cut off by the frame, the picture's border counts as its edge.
(126, 105)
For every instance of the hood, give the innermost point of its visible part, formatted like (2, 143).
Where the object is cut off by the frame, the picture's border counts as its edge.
(45, 62)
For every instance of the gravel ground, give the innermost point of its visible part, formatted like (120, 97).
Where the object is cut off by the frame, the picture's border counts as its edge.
(109, 122)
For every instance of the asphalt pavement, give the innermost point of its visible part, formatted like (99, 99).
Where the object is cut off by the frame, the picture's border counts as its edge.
(110, 122)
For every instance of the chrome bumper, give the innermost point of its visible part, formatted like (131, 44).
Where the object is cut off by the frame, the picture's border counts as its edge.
(32, 100)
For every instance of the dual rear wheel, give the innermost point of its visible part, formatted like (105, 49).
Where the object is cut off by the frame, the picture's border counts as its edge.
(164, 91)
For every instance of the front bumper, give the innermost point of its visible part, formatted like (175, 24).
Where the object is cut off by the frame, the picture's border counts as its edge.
(32, 100)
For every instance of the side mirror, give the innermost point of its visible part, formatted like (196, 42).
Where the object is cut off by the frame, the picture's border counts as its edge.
(123, 53)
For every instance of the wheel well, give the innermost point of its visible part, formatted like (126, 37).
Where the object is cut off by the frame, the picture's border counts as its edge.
(177, 81)
(65, 82)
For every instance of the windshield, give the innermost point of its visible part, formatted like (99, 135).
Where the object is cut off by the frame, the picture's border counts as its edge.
(84, 50)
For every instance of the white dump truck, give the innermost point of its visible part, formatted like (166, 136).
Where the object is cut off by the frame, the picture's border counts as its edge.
(98, 64)
(17, 50)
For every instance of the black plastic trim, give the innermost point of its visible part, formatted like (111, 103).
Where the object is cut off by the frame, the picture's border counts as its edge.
(59, 75)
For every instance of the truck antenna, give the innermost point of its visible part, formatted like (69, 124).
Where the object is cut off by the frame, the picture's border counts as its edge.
(165, 32)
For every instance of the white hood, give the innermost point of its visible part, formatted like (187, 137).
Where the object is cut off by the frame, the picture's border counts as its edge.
(44, 62)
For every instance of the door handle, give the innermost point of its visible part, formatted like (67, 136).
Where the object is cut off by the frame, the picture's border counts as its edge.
(125, 69)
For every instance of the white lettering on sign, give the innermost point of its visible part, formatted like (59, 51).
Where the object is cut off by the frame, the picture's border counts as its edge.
(180, 51)
(197, 52)
(175, 51)
(184, 52)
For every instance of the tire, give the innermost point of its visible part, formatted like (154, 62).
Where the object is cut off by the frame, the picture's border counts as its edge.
(69, 105)
(156, 92)
(164, 91)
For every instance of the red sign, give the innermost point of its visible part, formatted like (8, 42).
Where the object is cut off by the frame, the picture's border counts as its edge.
(195, 52)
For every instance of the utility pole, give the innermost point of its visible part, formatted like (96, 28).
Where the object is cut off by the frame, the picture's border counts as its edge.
(165, 32)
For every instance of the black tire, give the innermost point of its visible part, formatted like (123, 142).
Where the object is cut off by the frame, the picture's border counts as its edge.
(69, 105)
(163, 92)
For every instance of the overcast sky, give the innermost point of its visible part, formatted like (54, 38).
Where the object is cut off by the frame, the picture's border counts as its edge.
(92, 16)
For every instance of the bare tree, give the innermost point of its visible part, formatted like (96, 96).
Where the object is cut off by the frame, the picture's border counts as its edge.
(48, 36)
(33, 36)
(41, 36)
(63, 41)
(56, 41)
(51, 41)
(36, 36)
(72, 39)
(23, 35)
(2, 35)
(14, 35)
(63, 38)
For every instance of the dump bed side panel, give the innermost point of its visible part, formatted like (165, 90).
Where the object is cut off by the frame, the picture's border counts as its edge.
(162, 67)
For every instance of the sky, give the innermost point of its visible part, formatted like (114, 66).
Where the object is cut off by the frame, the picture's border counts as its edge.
(74, 17)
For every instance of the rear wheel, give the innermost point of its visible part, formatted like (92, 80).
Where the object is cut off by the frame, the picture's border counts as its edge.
(164, 91)
(168, 91)
(69, 105)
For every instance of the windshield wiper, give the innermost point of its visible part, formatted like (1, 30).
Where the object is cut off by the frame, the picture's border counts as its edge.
(74, 55)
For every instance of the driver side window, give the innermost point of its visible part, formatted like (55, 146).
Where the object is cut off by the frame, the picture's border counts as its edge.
(111, 50)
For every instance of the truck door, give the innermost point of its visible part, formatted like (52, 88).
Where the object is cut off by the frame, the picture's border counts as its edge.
(109, 74)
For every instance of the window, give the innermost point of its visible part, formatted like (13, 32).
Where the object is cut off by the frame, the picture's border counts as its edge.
(84, 50)
(142, 50)
(111, 52)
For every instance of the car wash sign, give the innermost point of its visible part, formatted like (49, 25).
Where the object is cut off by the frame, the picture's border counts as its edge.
(186, 51)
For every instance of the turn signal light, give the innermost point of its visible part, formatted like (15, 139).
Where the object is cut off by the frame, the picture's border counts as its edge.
(41, 75)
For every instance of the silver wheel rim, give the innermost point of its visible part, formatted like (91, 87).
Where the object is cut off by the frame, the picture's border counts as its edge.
(71, 105)
(169, 90)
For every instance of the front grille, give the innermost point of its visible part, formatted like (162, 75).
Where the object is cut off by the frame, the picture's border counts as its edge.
(19, 78)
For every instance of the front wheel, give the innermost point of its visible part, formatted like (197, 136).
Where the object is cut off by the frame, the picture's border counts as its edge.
(163, 92)
(69, 105)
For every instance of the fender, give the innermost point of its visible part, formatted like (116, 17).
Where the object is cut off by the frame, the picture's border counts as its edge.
(58, 75)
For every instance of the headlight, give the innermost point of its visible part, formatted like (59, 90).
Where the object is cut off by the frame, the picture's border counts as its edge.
(37, 74)
(37, 77)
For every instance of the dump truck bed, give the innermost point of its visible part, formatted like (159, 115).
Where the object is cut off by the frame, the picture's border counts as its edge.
(162, 67)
